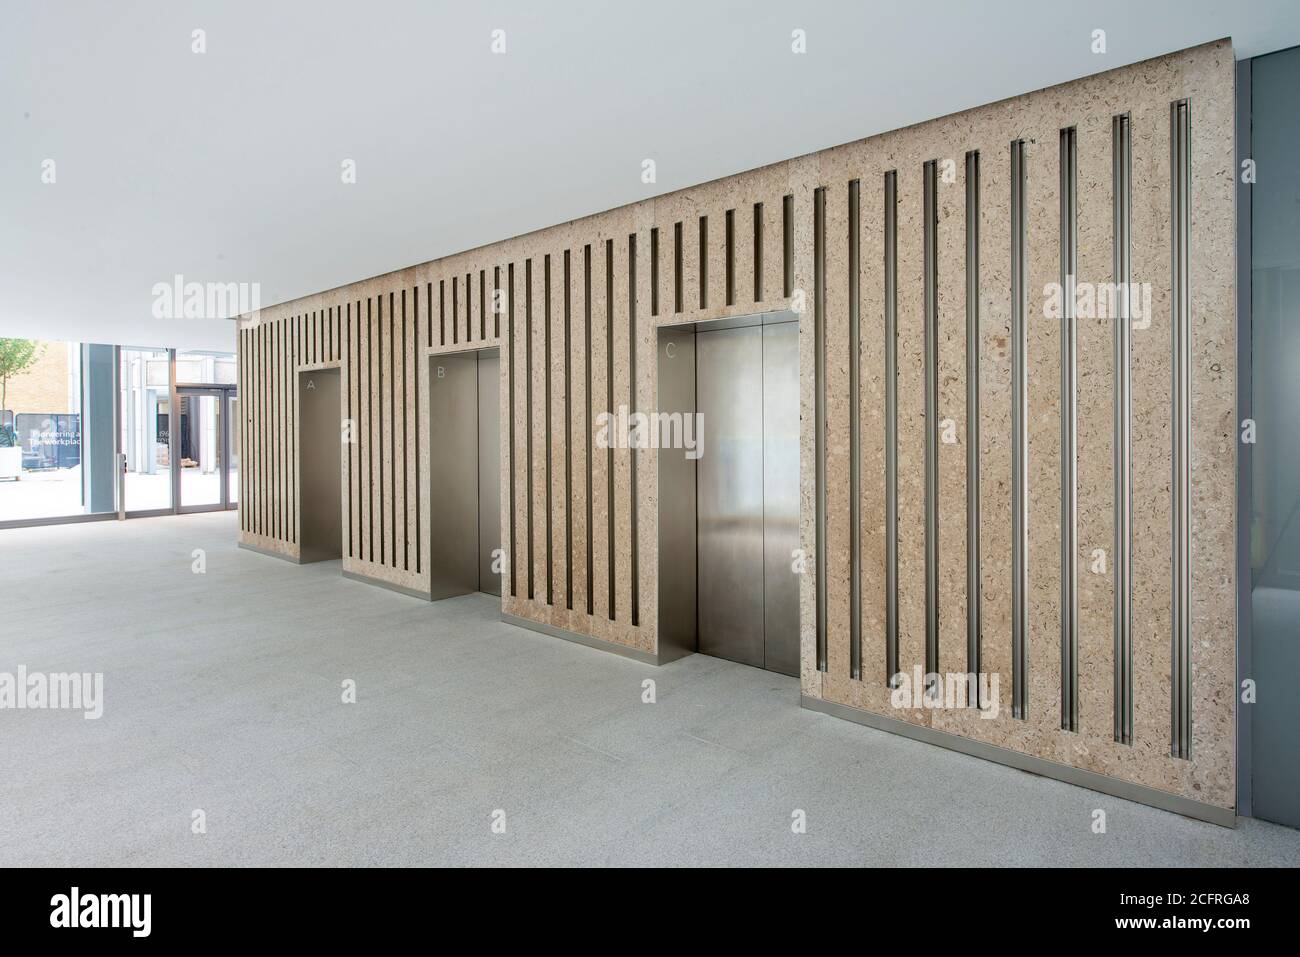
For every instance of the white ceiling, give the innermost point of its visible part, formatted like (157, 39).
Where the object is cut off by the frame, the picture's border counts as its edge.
(225, 166)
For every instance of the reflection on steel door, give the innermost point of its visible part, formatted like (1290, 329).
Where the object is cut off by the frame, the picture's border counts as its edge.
(780, 496)
(748, 495)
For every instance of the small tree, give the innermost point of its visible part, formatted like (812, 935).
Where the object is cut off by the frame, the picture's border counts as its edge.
(16, 357)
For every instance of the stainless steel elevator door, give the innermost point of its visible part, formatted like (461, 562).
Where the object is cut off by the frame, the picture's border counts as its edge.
(453, 476)
(747, 499)
(320, 467)
(320, 445)
(729, 503)
(780, 497)
(489, 471)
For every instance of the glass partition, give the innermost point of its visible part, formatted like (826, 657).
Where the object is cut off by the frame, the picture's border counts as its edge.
(1275, 455)
(40, 429)
(206, 368)
(209, 438)
(232, 458)
(202, 440)
(85, 427)
(145, 384)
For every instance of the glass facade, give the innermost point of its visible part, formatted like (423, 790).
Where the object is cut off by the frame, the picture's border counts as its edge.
(40, 429)
(202, 469)
(144, 378)
(72, 414)
(205, 368)
(1275, 455)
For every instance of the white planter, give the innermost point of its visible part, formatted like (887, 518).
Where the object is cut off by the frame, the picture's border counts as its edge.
(11, 463)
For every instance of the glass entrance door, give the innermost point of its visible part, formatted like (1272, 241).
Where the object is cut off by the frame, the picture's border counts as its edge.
(203, 449)
(232, 449)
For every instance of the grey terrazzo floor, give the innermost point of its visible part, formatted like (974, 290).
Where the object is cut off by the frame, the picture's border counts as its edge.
(222, 692)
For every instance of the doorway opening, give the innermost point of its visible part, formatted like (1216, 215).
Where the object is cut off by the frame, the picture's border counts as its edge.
(729, 516)
(320, 466)
(465, 474)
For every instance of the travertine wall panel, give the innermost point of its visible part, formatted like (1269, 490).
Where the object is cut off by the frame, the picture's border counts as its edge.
(951, 413)
(587, 342)
(1096, 446)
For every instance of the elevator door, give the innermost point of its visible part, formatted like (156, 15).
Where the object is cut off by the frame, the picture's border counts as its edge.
(747, 492)
(464, 473)
(320, 445)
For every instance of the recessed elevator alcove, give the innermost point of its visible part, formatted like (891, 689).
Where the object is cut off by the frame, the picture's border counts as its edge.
(465, 473)
(320, 451)
(729, 508)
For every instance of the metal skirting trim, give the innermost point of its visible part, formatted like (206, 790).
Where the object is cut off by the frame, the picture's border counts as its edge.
(1224, 817)
(600, 644)
(81, 519)
(391, 586)
(61, 520)
(270, 553)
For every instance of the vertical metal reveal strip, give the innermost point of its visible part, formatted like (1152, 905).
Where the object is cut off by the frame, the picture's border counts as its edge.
(787, 244)
(703, 262)
(612, 544)
(1121, 160)
(370, 427)
(510, 422)
(1069, 434)
(1180, 184)
(677, 267)
(633, 536)
(855, 437)
(891, 426)
(587, 357)
(568, 434)
(406, 446)
(729, 275)
(528, 422)
(654, 270)
(819, 455)
(379, 365)
(415, 386)
(930, 176)
(550, 427)
(1019, 437)
(974, 603)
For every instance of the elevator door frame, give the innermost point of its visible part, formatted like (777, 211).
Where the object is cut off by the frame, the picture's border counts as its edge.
(452, 590)
(678, 531)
